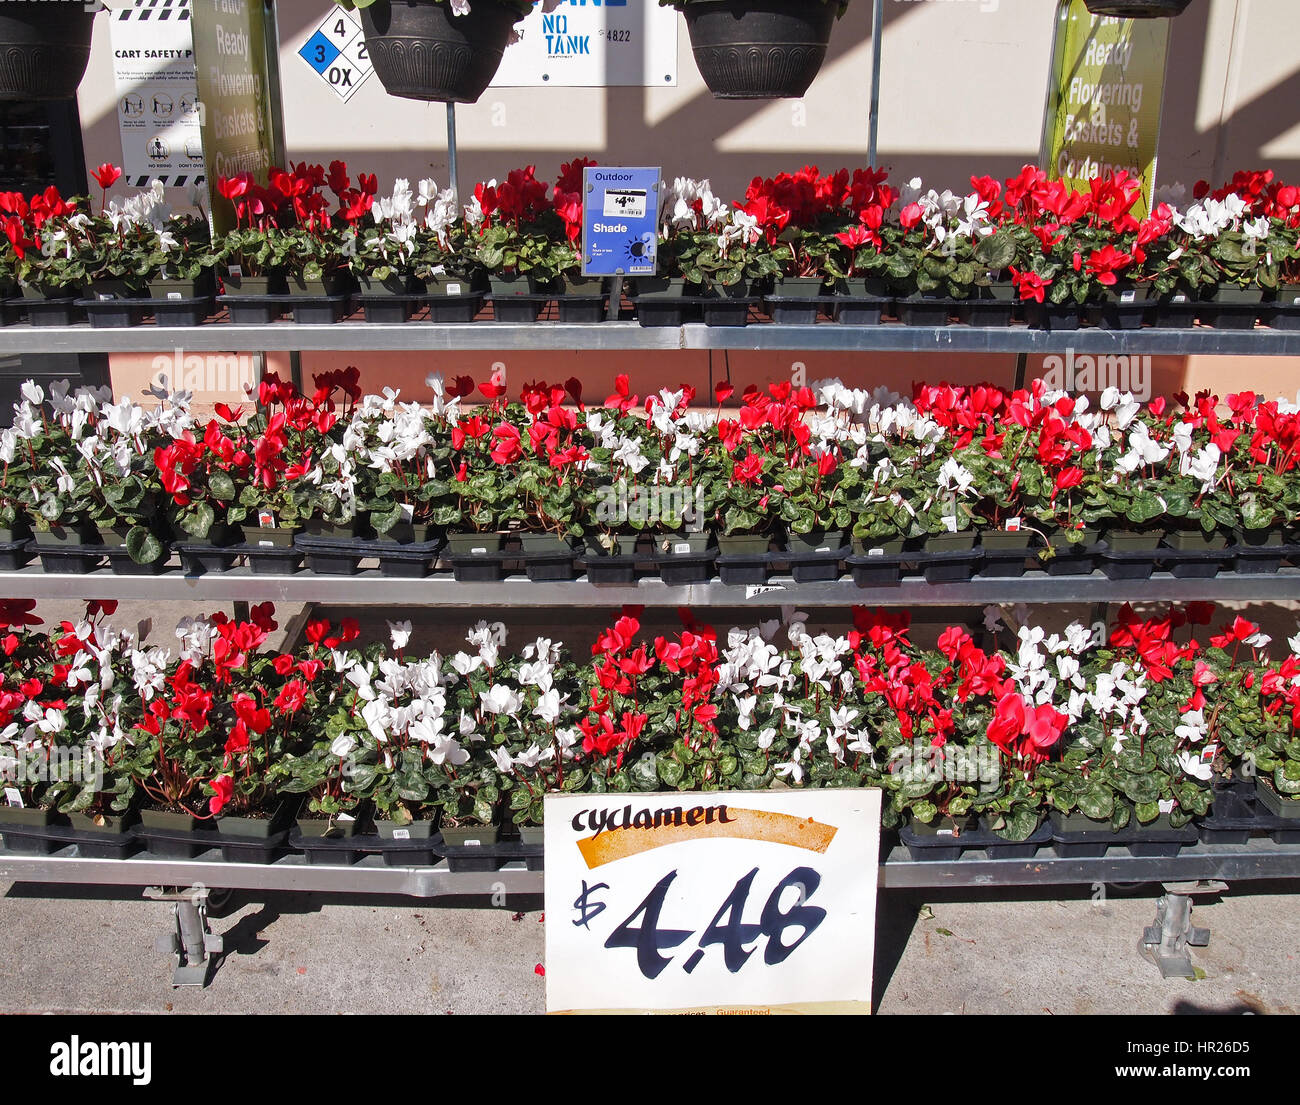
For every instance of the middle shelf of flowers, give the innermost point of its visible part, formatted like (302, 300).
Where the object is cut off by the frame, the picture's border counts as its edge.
(799, 247)
(822, 483)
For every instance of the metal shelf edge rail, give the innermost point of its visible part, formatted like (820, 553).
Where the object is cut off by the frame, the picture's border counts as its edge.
(370, 588)
(1258, 860)
(889, 337)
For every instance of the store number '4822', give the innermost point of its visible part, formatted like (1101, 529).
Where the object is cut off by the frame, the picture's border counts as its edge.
(727, 929)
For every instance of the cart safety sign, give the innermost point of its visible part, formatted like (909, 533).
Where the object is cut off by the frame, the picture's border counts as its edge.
(717, 902)
(157, 92)
(620, 214)
(336, 52)
(590, 44)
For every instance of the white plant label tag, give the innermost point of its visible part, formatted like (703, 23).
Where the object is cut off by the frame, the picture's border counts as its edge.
(453, 289)
(266, 519)
(875, 552)
(174, 295)
(13, 798)
(401, 834)
(345, 817)
(479, 551)
(1013, 525)
(408, 512)
(682, 547)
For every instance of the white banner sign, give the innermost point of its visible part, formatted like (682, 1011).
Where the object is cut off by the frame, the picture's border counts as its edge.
(153, 67)
(590, 44)
(718, 902)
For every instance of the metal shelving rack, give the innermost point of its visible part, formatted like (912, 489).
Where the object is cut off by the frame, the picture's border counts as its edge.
(347, 336)
(1194, 870)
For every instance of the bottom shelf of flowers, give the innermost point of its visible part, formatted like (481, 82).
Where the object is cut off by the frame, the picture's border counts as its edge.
(1159, 733)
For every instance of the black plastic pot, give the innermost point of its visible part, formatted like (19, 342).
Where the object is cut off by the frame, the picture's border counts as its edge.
(581, 308)
(183, 312)
(316, 310)
(986, 311)
(948, 557)
(471, 848)
(516, 308)
(15, 555)
(1129, 555)
(759, 49)
(685, 558)
(850, 310)
(1126, 310)
(1258, 552)
(1192, 555)
(1052, 316)
(454, 308)
(266, 560)
(743, 559)
(1176, 310)
(615, 564)
(69, 549)
(174, 835)
(476, 557)
(816, 558)
(1228, 307)
(875, 562)
(388, 308)
(44, 49)
(1282, 311)
(421, 50)
(116, 313)
(726, 309)
(924, 310)
(1072, 558)
(406, 845)
(547, 558)
(1004, 553)
(662, 310)
(54, 311)
(253, 310)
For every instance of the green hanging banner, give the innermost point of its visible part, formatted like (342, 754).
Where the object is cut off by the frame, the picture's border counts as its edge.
(238, 86)
(1105, 97)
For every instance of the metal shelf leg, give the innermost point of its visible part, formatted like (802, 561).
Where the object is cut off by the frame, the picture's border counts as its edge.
(193, 944)
(1166, 942)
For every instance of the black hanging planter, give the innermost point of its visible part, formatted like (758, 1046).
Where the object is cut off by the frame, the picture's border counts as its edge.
(421, 50)
(759, 49)
(44, 49)
(1137, 9)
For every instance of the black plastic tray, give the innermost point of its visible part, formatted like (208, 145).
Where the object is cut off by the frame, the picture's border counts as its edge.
(198, 559)
(870, 570)
(16, 554)
(1137, 564)
(183, 312)
(254, 310)
(73, 559)
(948, 848)
(1194, 563)
(171, 844)
(61, 311)
(1141, 840)
(814, 567)
(454, 308)
(44, 840)
(581, 308)
(112, 314)
(266, 559)
(390, 308)
(947, 566)
(679, 568)
(849, 310)
(739, 569)
(797, 310)
(517, 308)
(611, 569)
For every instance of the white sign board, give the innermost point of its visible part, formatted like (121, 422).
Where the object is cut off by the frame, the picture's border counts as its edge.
(153, 68)
(720, 902)
(336, 52)
(590, 44)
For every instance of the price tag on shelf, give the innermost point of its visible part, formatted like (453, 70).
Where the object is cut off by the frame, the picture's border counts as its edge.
(721, 902)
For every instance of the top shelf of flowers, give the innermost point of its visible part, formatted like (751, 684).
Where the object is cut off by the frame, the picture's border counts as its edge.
(1003, 267)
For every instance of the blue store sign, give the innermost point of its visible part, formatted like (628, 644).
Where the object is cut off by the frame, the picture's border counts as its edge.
(619, 221)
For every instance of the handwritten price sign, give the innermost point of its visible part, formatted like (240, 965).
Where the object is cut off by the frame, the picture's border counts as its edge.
(725, 902)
